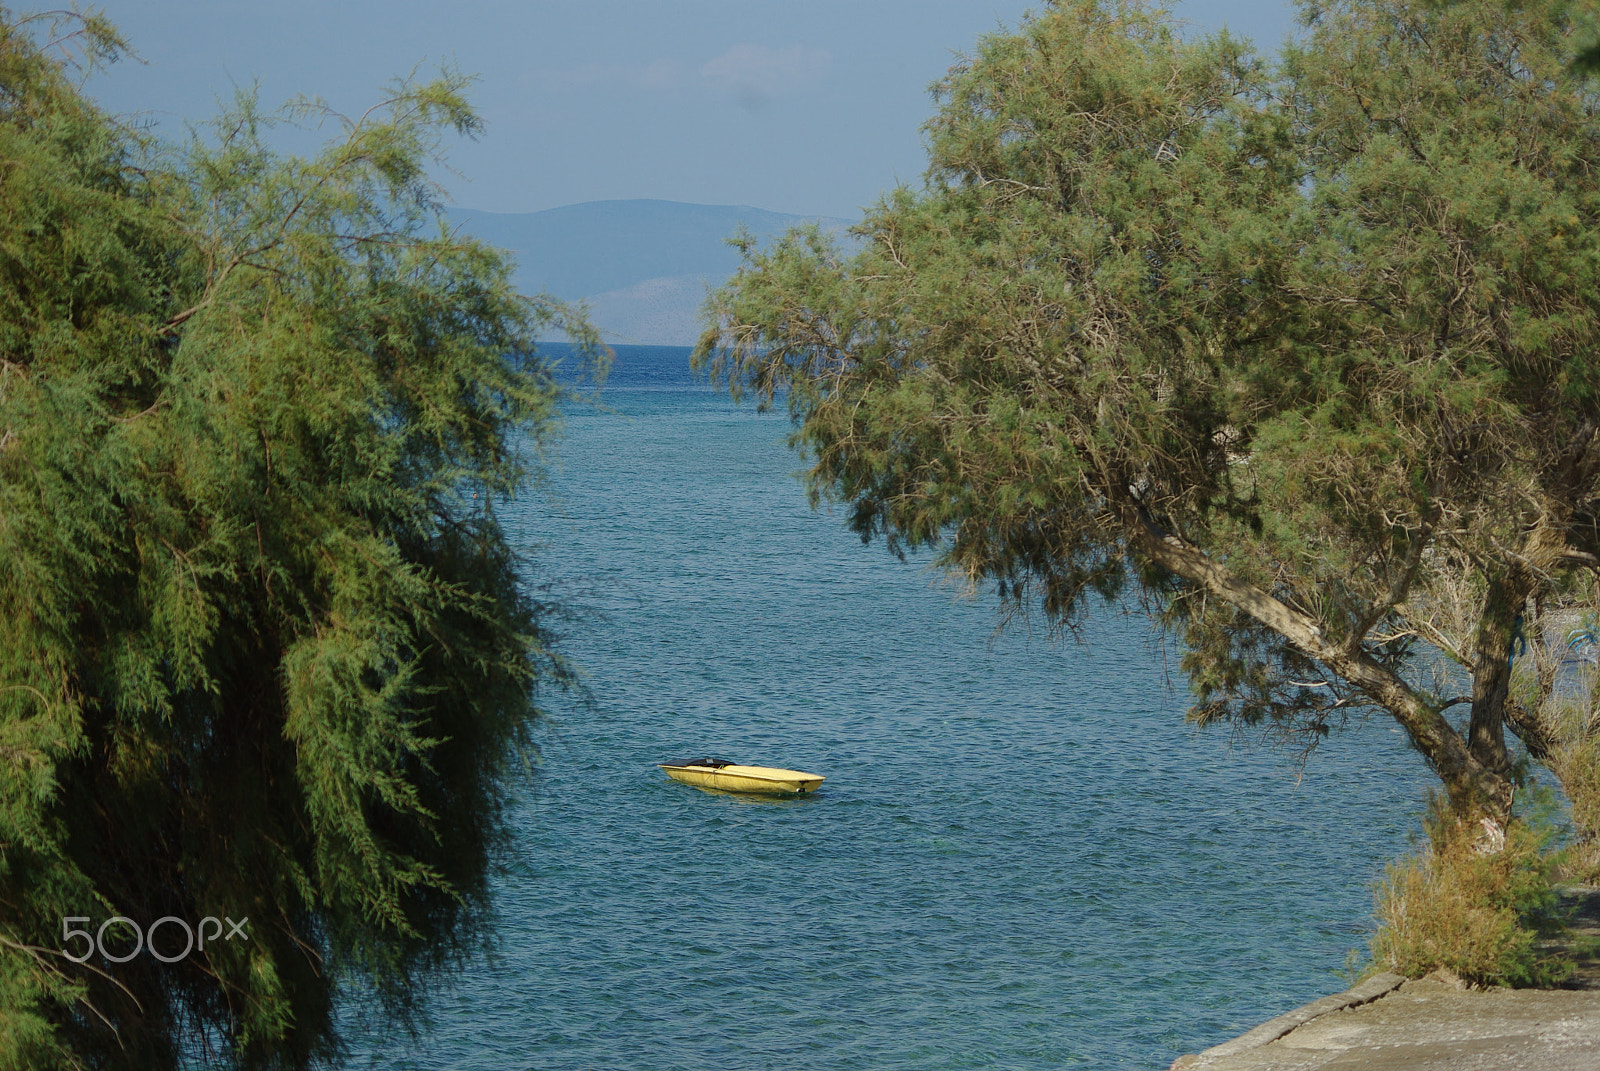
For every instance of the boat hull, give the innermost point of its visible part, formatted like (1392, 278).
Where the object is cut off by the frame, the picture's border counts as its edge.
(760, 780)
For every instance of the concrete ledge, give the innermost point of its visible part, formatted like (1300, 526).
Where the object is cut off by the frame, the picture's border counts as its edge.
(1273, 1029)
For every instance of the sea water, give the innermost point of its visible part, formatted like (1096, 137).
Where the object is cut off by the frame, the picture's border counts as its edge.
(1022, 856)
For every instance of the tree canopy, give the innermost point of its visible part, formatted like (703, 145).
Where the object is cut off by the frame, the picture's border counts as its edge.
(265, 650)
(1303, 354)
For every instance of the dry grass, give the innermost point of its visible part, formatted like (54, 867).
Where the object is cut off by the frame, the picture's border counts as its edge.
(1478, 914)
(1578, 768)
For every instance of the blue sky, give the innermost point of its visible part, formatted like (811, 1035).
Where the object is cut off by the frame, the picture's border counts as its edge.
(805, 106)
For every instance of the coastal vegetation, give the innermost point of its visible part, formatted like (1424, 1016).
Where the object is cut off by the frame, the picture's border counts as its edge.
(1298, 355)
(266, 655)
(1486, 917)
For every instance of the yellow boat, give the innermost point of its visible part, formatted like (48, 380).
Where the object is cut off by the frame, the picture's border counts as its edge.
(732, 777)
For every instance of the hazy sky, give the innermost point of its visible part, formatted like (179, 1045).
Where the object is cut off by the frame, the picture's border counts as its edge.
(807, 106)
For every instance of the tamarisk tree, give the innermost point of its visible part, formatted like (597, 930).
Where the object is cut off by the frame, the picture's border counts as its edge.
(1303, 355)
(264, 654)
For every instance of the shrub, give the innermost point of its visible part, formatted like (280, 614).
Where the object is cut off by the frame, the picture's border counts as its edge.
(1460, 905)
(1578, 765)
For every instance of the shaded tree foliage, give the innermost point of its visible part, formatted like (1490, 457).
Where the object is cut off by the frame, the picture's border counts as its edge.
(1305, 353)
(263, 649)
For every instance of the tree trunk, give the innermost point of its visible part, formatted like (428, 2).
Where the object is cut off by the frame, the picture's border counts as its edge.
(1491, 665)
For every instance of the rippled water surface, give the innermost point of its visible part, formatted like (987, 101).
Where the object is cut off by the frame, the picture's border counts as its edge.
(1021, 858)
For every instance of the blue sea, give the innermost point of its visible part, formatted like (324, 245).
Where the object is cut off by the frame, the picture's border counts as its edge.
(1022, 856)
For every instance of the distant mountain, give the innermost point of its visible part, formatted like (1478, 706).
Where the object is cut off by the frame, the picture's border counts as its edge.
(643, 266)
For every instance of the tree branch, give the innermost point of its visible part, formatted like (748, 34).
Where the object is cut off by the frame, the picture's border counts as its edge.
(1397, 591)
(1468, 781)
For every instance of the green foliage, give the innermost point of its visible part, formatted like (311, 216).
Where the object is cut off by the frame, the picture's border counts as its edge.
(1476, 912)
(1303, 354)
(966, 375)
(263, 649)
(1583, 18)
